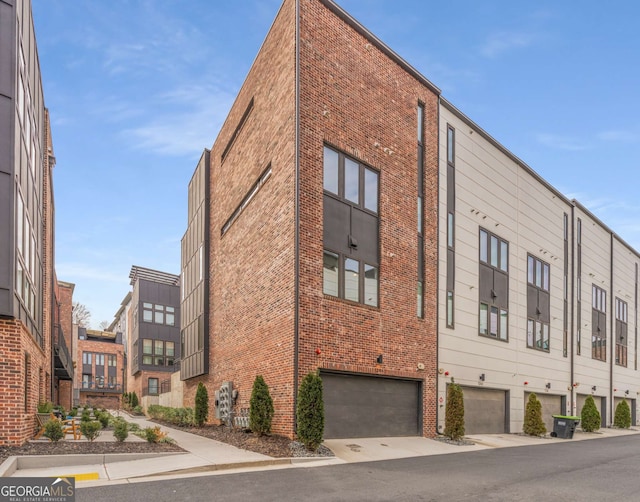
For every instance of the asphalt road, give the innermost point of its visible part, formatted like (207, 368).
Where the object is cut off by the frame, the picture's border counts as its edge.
(600, 469)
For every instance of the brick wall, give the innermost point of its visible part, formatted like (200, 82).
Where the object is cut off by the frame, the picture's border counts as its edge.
(26, 380)
(252, 265)
(94, 396)
(358, 100)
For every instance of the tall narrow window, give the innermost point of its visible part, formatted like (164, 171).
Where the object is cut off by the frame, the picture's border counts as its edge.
(494, 286)
(538, 304)
(621, 332)
(351, 249)
(599, 323)
(420, 211)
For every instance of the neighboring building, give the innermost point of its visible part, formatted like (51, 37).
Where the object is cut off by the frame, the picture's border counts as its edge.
(64, 344)
(322, 231)
(194, 306)
(27, 281)
(154, 328)
(536, 294)
(100, 369)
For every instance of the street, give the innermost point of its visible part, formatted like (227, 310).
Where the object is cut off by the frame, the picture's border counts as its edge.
(601, 469)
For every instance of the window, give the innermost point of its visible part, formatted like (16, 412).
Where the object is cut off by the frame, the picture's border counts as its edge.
(494, 286)
(86, 358)
(420, 308)
(266, 174)
(621, 332)
(449, 309)
(99, 359)
(153, 386)
(158, 314)
(351, 255)
(538, 304)
(112, 360)
(86, 381)
(599, 323)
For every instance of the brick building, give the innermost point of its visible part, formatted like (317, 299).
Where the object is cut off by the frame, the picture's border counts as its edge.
(153, 330)
(100, 372)
(27, 278)
(321, 231)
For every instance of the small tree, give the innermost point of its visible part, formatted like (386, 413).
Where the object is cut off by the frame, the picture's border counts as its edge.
(310, 411)
(202, 404)
(260, 407)
(133, 400)
(590, 416)
(533, 423)
(454, 415)
(91, 429)
(54, 430)
(622, 417)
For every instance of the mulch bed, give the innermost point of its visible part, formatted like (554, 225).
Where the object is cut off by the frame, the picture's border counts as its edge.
(84, 447)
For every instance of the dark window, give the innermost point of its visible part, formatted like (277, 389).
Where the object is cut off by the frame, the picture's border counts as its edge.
(237, 130)
(599, 323)
(538, 304)
(494, 286)
(153, 386)
(351, 255)
(621, 332)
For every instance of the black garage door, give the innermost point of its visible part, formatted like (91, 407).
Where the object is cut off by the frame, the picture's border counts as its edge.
(365, 406)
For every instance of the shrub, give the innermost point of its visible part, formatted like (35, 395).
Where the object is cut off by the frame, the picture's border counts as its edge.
(590, 416)
(134, 400)
(533, 423)
(454, 414)
(53, 430)
(137, 410)
(154, 434)
(45, 407)
(260, 407)
(185, 416)
(104, 417)
(622, 417)
(310, 411)
(156, 411)
(73, 412)
(202, 405)
(61, 409)
(91, 429)
(86, 415)
(120, 429)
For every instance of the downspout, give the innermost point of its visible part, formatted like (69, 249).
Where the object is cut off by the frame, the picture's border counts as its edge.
(296, 314)
(613, 337)
(437, 263)
(573, 305)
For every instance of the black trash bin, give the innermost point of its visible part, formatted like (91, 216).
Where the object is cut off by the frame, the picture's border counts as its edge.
(564, 426)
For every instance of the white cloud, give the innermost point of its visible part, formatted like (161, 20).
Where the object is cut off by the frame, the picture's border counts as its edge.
(561, 142)
(499, 43)
(619, 136)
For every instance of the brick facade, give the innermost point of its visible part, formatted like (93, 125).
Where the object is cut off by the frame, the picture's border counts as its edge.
(356, 98)
(103, 397)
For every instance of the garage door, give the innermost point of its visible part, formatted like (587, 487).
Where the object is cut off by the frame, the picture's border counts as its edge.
(600, 404)
(484, 411)
(632, 407)
(365, 406)
(551, 405)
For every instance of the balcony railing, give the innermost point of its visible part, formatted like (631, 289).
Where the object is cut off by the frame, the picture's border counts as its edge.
(63, 364)
(113, 388)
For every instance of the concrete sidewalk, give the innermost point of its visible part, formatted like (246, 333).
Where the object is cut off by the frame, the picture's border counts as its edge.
(210, 456)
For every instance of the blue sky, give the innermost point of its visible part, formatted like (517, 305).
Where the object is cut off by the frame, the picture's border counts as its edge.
(136, 90)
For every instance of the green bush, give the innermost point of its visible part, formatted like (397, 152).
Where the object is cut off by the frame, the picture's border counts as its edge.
(137, 410)
(260, 407)
(120, 429)
(45, 407)
(590, 417)
(86, 415)
(622, 417)
(91, 429)
(310, 411)
(134, 400)
(454, 413)
(104, 417)
(533, 423)
(156, 411)
(73, 412)
(154, 434)
(202, 405)
(185, 416)
(53, 430)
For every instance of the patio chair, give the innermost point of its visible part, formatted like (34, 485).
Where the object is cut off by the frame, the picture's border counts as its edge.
(71, 426)
(43, 419)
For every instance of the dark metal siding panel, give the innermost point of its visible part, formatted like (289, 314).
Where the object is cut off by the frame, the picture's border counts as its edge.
(532, 301)
(451, 269)
(364, 227)
(336, 225)
(484, 411)
(486, 283)
(544, 305)
(365, 406)
(501, 289)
